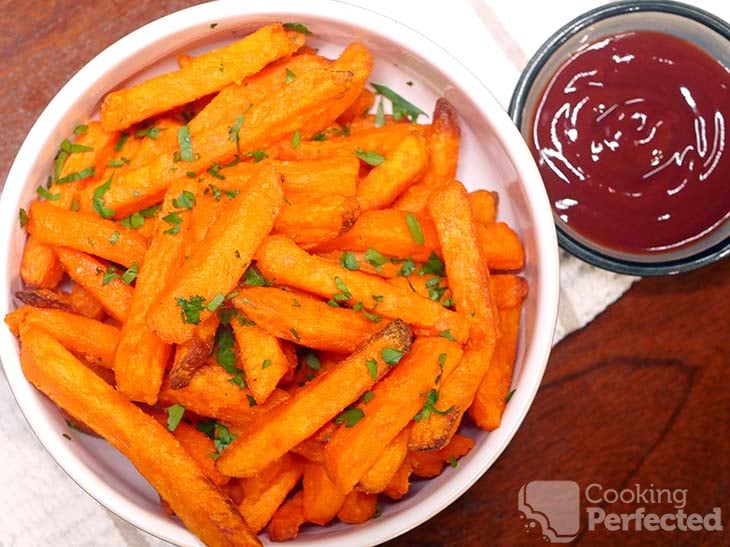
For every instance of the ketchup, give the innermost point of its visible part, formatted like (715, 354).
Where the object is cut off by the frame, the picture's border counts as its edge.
(630, 138)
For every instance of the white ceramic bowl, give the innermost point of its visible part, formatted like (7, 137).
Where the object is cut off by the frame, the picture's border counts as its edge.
(493, 156)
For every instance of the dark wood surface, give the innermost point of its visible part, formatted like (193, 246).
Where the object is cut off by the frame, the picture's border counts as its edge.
(639, 396)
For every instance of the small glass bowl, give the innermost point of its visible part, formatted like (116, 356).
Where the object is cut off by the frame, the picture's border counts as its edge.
(707, 31)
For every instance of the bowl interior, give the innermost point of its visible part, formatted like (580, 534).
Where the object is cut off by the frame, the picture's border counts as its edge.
(683, 27)
(492, 156)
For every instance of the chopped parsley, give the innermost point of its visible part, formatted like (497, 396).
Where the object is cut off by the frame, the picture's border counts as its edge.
(343, 296)
(214, 171)
(350, 417)
(447, 334)
(191, 308)
(114, 238)
(407, 268)
(186, 200)
(435, 291)
(349, 261)
(401, 107)
(295, 334)
(226, 356)
(98, 200)
(367, 397)
(266, 364)
(151, 132)
(312, 361)
(452, 461)
(290, 76)
(257, 155)
(174, 415)
(375, 259)
(297, 27)
(46, 194)
(175, 221)
(253, 278)
(109, 275)
(114, 164)
(370, 157)
(429, 407)
(509, 396)
(223, 437)
(81, 129)
(380, 114)
(215, 302)
(185, 143)
(414, 227)
(69, 148)
(296, 139)
(434, 265)
(85, 173)
(234, 130)
(123, 138)
(23, 217)
(442, 362)
(391, 356)
(131, 274)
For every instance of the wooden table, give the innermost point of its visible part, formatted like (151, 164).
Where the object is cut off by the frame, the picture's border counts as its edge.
(639, 396)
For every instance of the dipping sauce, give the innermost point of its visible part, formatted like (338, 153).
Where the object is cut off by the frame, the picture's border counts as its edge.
(630, 138)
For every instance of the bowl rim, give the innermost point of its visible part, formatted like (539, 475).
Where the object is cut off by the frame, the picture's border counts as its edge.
(581, 248)
(192, 20)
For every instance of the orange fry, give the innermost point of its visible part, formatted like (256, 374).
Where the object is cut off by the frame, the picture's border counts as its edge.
(359, 507)
(312, 220)
(321, 497)
(84, 303)
(39, 267)
(263, 359)
(280, 259)
(317, 402)
(484, 206)
(288, 519)
(205, 74)
(430, 464)
(501, 246)
(380, 475)
(365, 99)
(193, 354)
(164, 463)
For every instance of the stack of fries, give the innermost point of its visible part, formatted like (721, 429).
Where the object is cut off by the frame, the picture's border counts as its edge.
(277, 305)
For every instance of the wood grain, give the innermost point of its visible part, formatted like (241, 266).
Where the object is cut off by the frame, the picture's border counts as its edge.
(639, 396)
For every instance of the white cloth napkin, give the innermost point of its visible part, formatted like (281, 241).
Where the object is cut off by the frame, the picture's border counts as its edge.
(40, 505)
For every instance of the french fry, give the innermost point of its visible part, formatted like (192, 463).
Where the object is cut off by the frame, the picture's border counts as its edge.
(465, 267)
(386, 231)
(359, 507)
(288, 519)
(142, 356)
(382, 140)
(219, 262)
(380, 475)
(509, 290)
(280, 259)
(352, 451)
(115, 296)
(258, 512)
(164, 463)
(389, 179)
(321, 498)
(291, 422)
(265, 123)
(84, 303)
(365, 99)
(262, 357)
(211, 393)
(39, 267)
(312, 449)
(430, 464)
(45, 298)
(443, 144)
(312, 220)
(501, 246)
(400, 483)
(88, 233)
(484, 206)
(193, 354)
(92, 340)
(491, 397)
(304, 320)
(206, 74)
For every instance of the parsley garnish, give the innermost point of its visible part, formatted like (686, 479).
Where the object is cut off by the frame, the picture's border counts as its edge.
(509, 396)
(380, 114)
(98, 200)
(257, 155)
(452, 461)
(296, 139)
(216, 191)
(234, 130)
(118, 163)
(23, 217)
(66, 436)
(185, 143)
(429, 406)
(297, 27)
(253, 278)
(81, 129)
(151, 132)
(223, 437)
(174, 220)
(367, 397)
(190, 309)
(415, 228)
(46, 194)
(294, 333)
(251, 400)
(266, 364)
(370, 157)
(109, 275)
(290, 76)
(321, 136)
(70, 148)
(350, 417)
(123, 138)
(312, 361)
(215, 302)
(434, 265)
(391, 356)
(86, 173)
(295, 303)
(174, 415)
(114, 238)
(374, 258)
(343, 296)
(435, 292)
(131, 273)
(442, 362)
(214, 171)
(186, 200)
(407, 268)
(447, 334)
(401, 107)
(349, 261)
